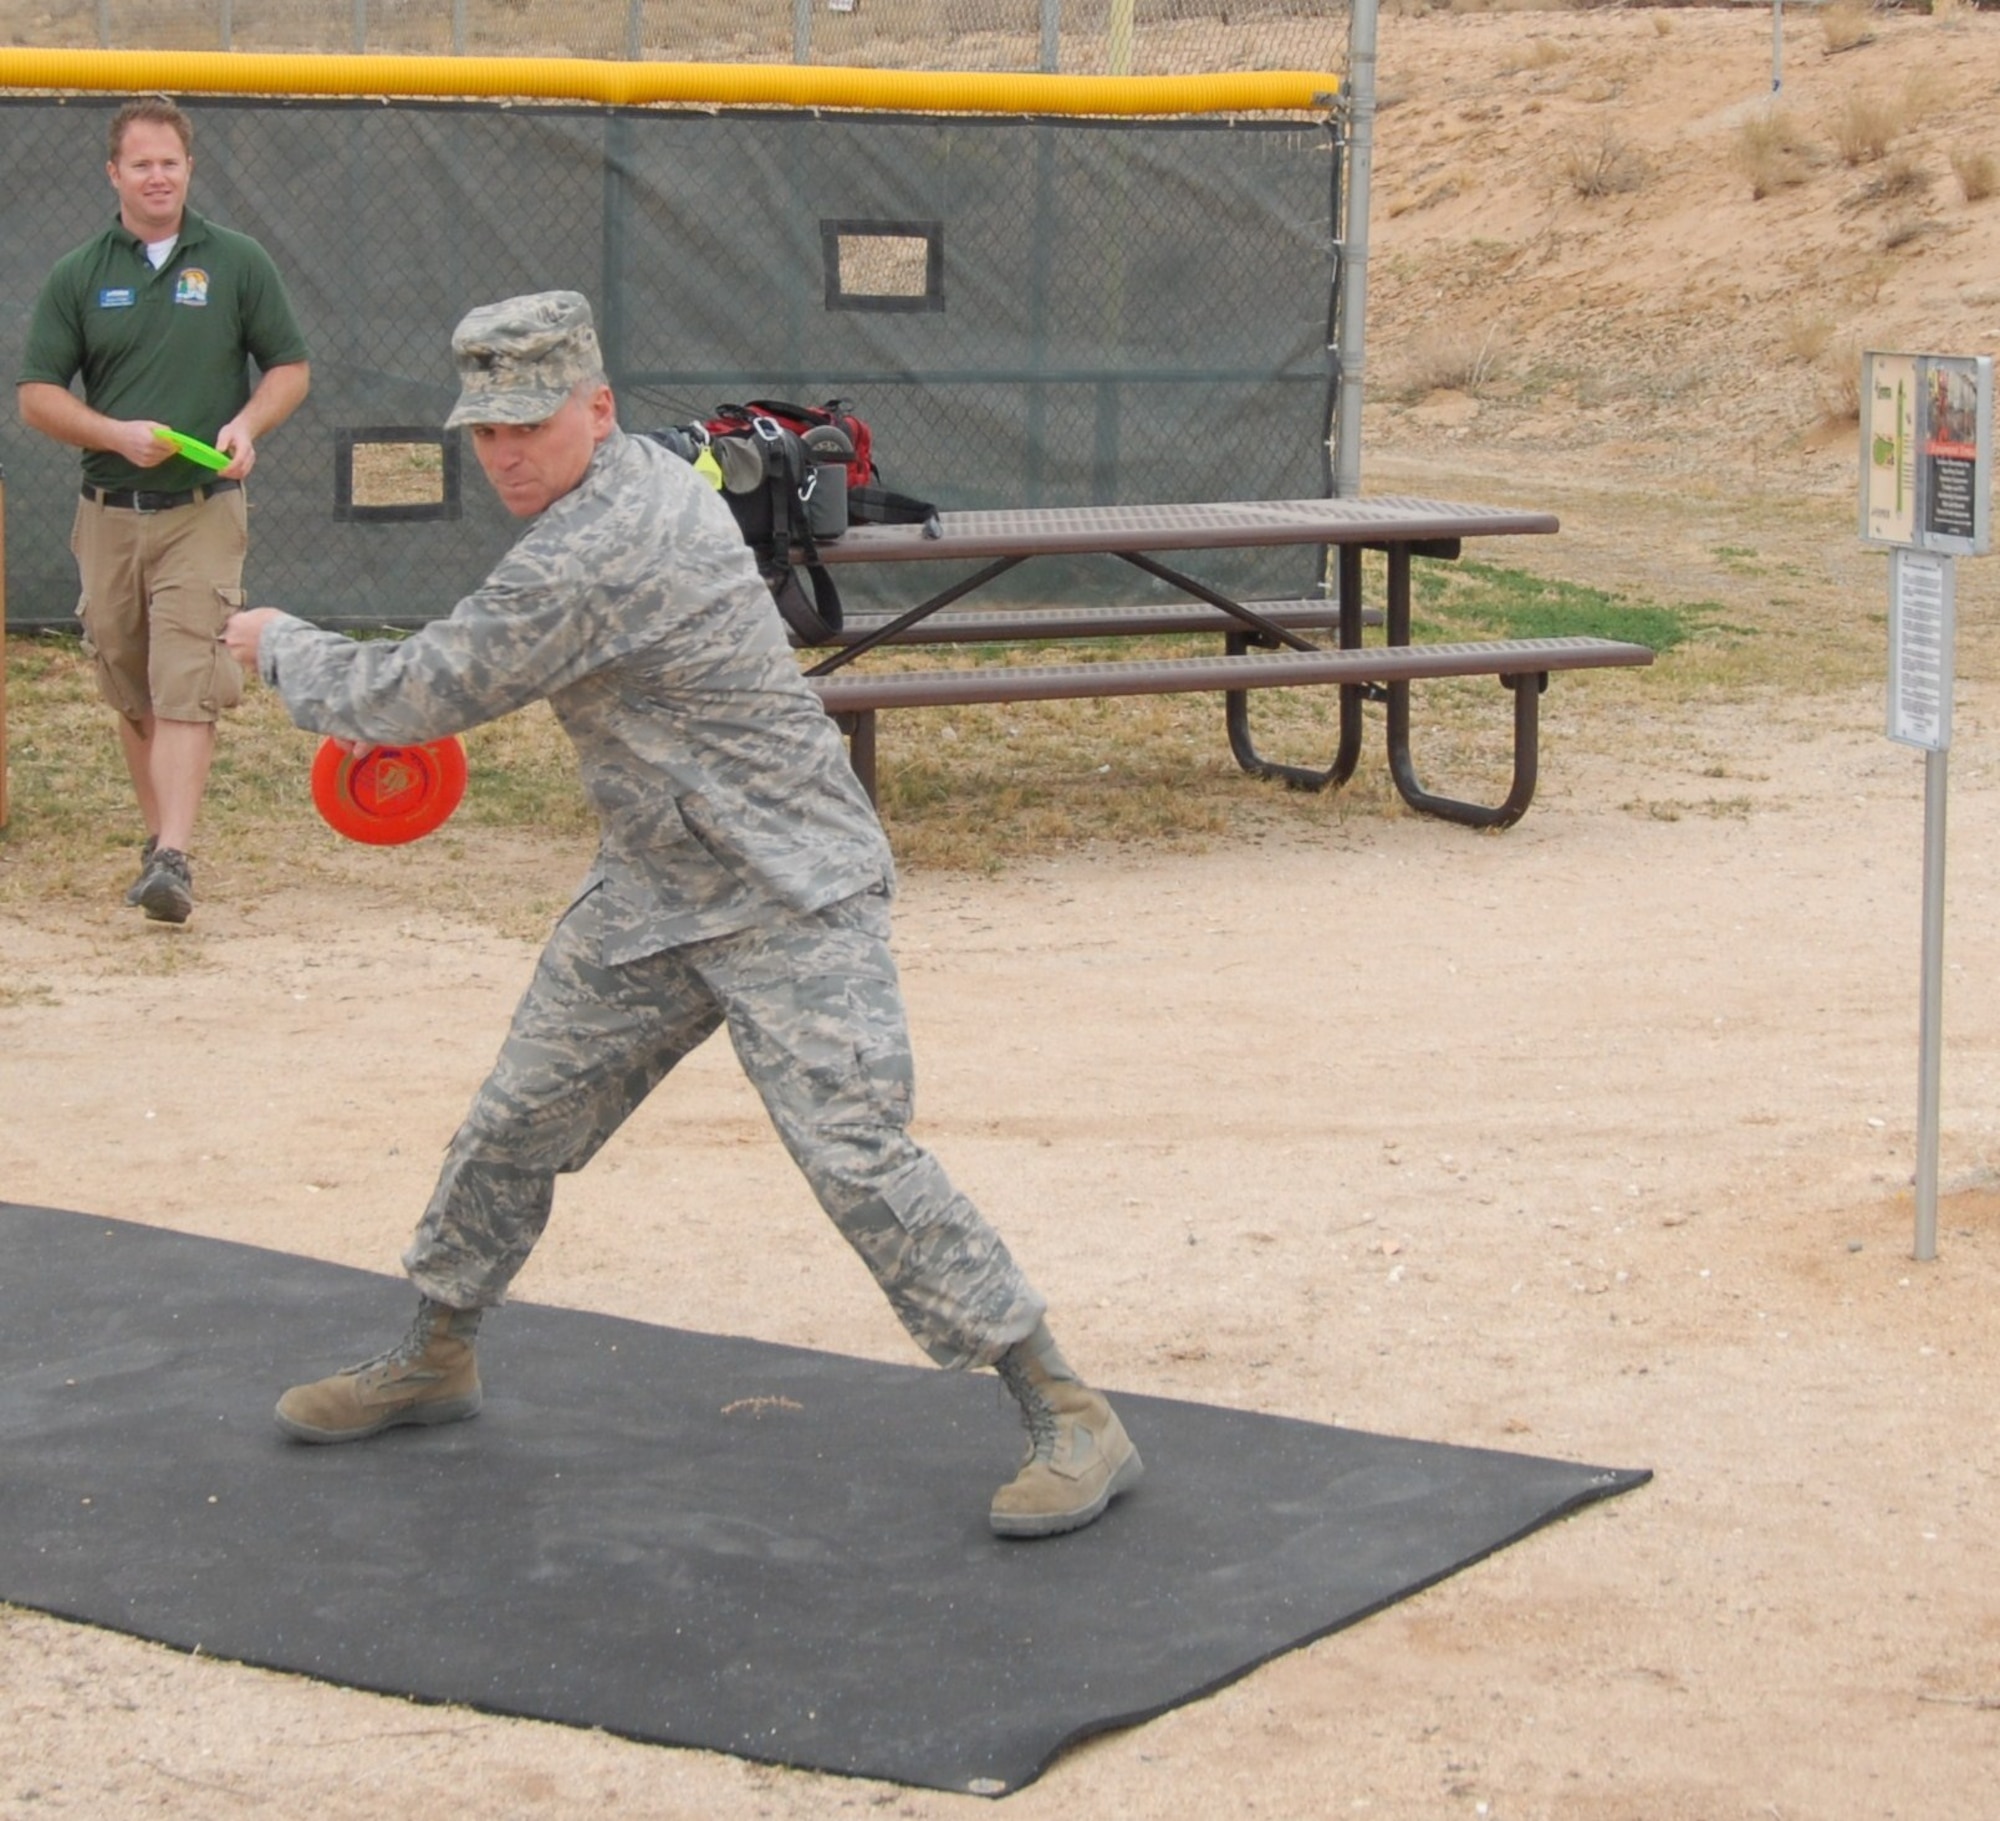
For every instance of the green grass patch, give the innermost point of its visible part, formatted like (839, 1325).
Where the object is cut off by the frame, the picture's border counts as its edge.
(1483, 599)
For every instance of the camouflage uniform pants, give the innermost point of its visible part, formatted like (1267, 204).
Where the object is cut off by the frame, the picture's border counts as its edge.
(816, 1016)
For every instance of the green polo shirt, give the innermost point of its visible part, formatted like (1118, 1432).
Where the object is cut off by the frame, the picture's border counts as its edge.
(169, 345)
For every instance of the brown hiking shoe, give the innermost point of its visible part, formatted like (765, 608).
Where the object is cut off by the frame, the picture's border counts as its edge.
(430, 1376)
(1079, 1457)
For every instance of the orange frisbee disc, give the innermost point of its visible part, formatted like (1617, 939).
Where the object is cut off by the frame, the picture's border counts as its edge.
(395, 794)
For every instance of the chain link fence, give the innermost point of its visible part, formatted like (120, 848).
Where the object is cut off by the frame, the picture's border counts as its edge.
(1071, 37)
(1026, 311)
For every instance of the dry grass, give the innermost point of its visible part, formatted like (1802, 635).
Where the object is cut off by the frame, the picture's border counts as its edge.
(1846, 25)
(1806, 338)
(1606, 166)
(1536, 54)
(963, 789)
(1437, 187)
(1866, 124)
(1927, 91)
(1901, 178)
(1902, 229)
(1452, 360)
(74, 832)
(972, 789)
(1977, 171)
(1841, 389)
(1773, 151)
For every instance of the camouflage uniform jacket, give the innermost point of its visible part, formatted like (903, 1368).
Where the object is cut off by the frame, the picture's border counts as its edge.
(634, 607)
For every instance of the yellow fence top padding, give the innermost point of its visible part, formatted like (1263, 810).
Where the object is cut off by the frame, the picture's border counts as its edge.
(634, 84)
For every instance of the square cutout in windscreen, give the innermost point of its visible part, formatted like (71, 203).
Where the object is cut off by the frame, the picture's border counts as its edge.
(883, 265)
(395, 471)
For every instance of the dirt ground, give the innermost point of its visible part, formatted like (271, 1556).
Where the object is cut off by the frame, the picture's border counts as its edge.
(1593, 1138)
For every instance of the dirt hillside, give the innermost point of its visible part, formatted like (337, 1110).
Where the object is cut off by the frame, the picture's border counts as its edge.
(1571, 249)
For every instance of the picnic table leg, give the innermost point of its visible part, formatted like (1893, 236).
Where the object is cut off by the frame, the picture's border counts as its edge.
(1527, 697)
(1236, 702)
(859, 727)
(1236, 718)
(1527, 690)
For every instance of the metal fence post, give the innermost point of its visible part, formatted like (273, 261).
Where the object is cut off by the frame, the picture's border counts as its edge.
(3, 654)
(1353, 308)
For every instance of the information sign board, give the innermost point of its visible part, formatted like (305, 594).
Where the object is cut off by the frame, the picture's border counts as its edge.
(1923, 632)
(1927, 451)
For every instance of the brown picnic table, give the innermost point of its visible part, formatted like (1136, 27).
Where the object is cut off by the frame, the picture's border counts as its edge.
(1265, 643)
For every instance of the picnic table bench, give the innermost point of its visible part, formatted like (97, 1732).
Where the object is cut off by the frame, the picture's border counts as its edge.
(1264, 644)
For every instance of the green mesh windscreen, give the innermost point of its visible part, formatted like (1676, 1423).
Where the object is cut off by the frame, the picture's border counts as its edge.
(1025, 311)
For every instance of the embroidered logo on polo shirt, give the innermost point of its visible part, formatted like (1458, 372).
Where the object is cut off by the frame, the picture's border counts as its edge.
(117, 297)
(191, 287)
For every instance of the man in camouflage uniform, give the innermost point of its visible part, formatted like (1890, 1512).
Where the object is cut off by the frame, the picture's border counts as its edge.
(741, 879)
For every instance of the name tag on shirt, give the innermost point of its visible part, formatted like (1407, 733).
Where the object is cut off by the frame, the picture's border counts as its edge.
(117, 297)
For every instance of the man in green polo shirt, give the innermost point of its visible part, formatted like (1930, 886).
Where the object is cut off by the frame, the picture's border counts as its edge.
(160, 315)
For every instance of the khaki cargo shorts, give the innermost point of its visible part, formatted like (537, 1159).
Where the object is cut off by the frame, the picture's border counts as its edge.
(157, 588)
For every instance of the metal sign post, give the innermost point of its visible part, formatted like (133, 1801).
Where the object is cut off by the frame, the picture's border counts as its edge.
(1922, 639)
(1926, 484)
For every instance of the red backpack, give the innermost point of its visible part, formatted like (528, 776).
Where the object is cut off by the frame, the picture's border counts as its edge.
(869, 502)
(769, 477)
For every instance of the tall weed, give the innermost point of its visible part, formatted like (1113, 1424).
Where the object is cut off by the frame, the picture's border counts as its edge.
(1977, 171)
(1773, 152)
(1865, 125)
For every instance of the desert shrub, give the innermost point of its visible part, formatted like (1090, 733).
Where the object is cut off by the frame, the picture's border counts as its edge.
(1845, 25)
(1772, 153)
(1807, 338)
(1902, 229)
(1900, 179)
(1926, 91)
(1536, 54)
(1452, 360)
(1977, 171)
(1607, 166)
(1865, 125)
(1840, 384)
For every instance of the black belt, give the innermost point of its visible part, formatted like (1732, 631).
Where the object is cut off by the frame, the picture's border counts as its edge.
(142, 501)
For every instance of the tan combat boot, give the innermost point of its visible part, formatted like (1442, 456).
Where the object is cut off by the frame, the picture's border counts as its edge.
(430, 1376)
(1079, 1457)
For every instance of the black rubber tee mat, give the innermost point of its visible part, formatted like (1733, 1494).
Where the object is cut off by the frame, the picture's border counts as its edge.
(678, 1537)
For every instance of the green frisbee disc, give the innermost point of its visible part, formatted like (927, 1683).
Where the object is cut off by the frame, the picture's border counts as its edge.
(193, 448)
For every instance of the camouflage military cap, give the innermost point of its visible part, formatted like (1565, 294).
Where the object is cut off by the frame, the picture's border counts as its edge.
(519, 359)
